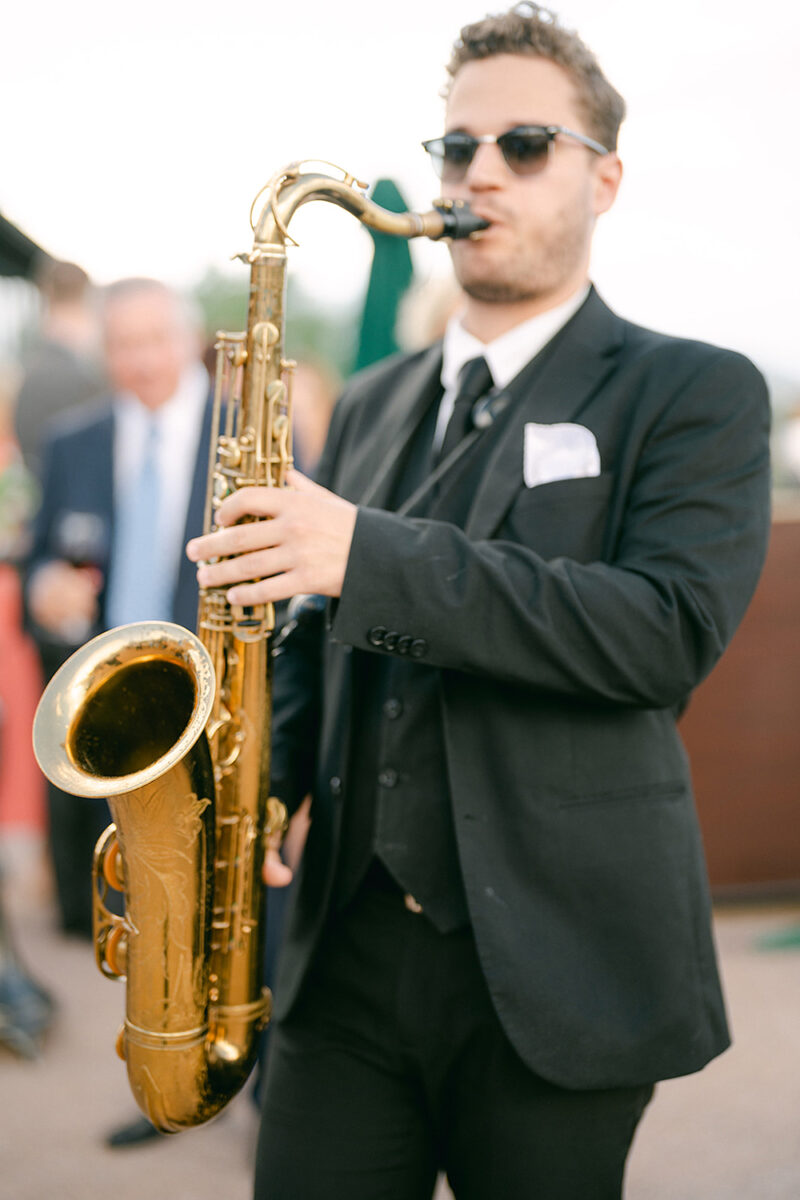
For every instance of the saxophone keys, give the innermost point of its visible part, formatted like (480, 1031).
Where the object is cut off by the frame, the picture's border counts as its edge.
(111, 948)
(111, 864)
(230, 452)
(277, 819)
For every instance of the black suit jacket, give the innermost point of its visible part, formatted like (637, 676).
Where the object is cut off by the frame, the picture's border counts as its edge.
(570, 622)
(76, 515)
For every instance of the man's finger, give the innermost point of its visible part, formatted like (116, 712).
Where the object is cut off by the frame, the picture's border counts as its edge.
(239, 539)
(299, 482)
(272, 590)
(251, 501)
(259, 564)
(276, 873)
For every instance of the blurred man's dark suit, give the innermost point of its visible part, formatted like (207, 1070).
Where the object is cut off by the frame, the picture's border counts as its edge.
(56, 379)
(75, 522)
(567, 625)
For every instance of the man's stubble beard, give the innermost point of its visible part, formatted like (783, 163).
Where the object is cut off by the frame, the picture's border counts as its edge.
(527, 275)
(491, 292)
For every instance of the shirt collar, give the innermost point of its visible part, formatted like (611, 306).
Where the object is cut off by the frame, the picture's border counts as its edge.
(509, 353)
(191, 391)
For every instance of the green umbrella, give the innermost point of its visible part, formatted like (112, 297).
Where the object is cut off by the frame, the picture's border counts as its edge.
(389, 279)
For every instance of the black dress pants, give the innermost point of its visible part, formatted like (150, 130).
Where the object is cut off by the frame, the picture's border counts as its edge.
(393, 1066)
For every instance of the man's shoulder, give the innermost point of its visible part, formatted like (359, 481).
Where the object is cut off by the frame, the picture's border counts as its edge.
(84, 421)
(48, 354)
(678, 353)
(688, 377)
(389, 372)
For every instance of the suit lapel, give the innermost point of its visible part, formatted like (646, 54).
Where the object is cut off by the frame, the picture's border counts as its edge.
(404, 413)
(103, 463)
(101, 455)
(553, 387)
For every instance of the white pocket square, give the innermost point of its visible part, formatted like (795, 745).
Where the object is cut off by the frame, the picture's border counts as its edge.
(562, 451)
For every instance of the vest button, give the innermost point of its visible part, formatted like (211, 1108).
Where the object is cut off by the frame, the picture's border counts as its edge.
(392, 709)
(376, 635)
(388, 777)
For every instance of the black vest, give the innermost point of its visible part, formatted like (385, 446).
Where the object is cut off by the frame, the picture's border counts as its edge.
(397, 807)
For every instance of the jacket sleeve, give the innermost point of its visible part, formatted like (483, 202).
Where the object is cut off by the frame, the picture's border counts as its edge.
(41, 550)
(642, 627)
(296, 698)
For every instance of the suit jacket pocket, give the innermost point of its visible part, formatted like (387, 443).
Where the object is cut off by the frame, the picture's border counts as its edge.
(562, 519)
(625, 754)
(644, 793)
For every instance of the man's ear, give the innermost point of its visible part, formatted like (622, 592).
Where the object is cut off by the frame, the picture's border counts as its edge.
(607, 178)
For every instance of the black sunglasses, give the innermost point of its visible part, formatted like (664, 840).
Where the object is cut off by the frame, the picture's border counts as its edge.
(526, 149)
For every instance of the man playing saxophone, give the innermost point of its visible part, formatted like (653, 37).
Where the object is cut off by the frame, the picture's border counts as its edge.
(536, 538)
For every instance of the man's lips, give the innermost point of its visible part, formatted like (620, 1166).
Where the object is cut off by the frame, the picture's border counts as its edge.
(494, 223)
(493, 218)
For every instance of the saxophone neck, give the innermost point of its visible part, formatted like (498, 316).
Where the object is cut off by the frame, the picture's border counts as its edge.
(290, 188)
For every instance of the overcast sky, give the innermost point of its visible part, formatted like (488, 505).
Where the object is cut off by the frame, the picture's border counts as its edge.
(135, 137)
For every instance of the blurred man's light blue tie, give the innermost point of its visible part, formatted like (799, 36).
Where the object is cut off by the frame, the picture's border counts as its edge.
(139, 585)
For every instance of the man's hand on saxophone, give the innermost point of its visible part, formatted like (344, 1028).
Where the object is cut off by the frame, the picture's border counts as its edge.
(302, 547)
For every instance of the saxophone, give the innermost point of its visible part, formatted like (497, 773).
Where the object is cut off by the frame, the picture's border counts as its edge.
(173, 729)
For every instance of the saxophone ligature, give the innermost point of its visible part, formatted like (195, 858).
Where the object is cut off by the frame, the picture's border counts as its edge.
(173, 729)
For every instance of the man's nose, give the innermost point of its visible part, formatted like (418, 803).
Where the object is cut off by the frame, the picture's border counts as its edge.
(488, 167)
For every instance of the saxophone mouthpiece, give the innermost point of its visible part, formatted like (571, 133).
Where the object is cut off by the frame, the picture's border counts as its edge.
(459, 219)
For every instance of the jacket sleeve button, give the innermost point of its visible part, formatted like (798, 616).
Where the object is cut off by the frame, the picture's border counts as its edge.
(418, 648)
(376, 635)
(404, 644)
(391, 640)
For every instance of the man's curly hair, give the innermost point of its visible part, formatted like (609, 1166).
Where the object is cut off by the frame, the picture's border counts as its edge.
(528, 28)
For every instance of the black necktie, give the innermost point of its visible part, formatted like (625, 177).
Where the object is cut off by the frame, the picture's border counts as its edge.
(474, 380)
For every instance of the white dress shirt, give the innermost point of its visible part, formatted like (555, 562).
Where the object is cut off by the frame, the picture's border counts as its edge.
(178, 422)
(506, 355)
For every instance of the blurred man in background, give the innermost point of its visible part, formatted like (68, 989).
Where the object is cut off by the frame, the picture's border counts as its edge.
(123, 485)
(62, 368)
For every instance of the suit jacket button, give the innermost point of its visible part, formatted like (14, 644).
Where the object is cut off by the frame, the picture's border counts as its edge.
(335, 785)
(392, 708)
(418, 648)
(376, 635)
(388, 777)
(391, 640)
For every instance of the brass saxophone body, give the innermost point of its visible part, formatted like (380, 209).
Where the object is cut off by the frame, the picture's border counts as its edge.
(173, 729)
